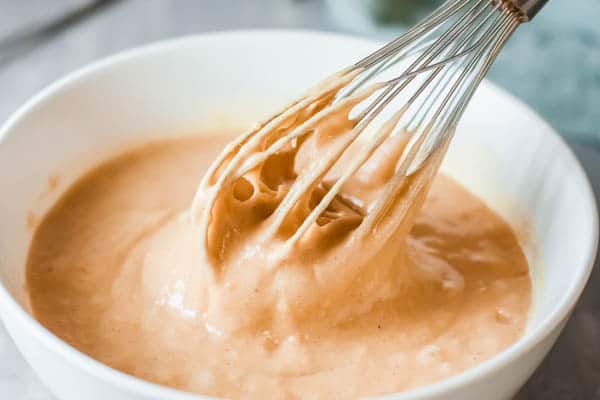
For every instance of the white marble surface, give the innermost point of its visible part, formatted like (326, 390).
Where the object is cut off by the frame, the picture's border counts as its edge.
(553, 64)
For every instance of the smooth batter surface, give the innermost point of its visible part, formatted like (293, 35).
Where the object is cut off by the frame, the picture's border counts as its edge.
(114, 270)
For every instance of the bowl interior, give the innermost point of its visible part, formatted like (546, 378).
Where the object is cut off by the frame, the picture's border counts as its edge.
(502, 151)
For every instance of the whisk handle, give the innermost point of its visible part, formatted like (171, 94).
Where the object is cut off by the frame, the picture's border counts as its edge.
(529, 8)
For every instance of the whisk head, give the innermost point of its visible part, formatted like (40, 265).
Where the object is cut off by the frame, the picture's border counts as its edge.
(404, 100)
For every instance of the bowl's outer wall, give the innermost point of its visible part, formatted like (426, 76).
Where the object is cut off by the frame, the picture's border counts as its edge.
(215, 81)
(69, 382)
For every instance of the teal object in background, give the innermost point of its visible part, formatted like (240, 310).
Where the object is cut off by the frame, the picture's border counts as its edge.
(389, 12)
(553, 64)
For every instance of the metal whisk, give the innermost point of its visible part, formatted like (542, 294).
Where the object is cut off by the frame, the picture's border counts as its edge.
(425, 78)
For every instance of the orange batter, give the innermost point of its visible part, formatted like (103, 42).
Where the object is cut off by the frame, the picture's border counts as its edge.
(117, 270)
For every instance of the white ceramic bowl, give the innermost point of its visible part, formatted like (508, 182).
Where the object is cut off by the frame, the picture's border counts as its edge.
(503, 152)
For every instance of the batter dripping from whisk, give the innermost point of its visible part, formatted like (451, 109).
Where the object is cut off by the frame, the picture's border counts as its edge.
(264, 218)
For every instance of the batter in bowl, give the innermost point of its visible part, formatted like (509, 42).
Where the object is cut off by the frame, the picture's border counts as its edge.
(116, 268)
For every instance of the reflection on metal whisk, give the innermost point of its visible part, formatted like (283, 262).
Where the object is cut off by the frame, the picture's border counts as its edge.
(441, 62)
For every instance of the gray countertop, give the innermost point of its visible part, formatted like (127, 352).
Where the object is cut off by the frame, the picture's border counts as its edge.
(552, 64)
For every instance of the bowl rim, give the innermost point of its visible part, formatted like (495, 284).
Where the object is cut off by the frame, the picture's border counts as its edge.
(13, 310)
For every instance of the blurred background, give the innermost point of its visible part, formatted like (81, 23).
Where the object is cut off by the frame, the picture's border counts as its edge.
(552, 64)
